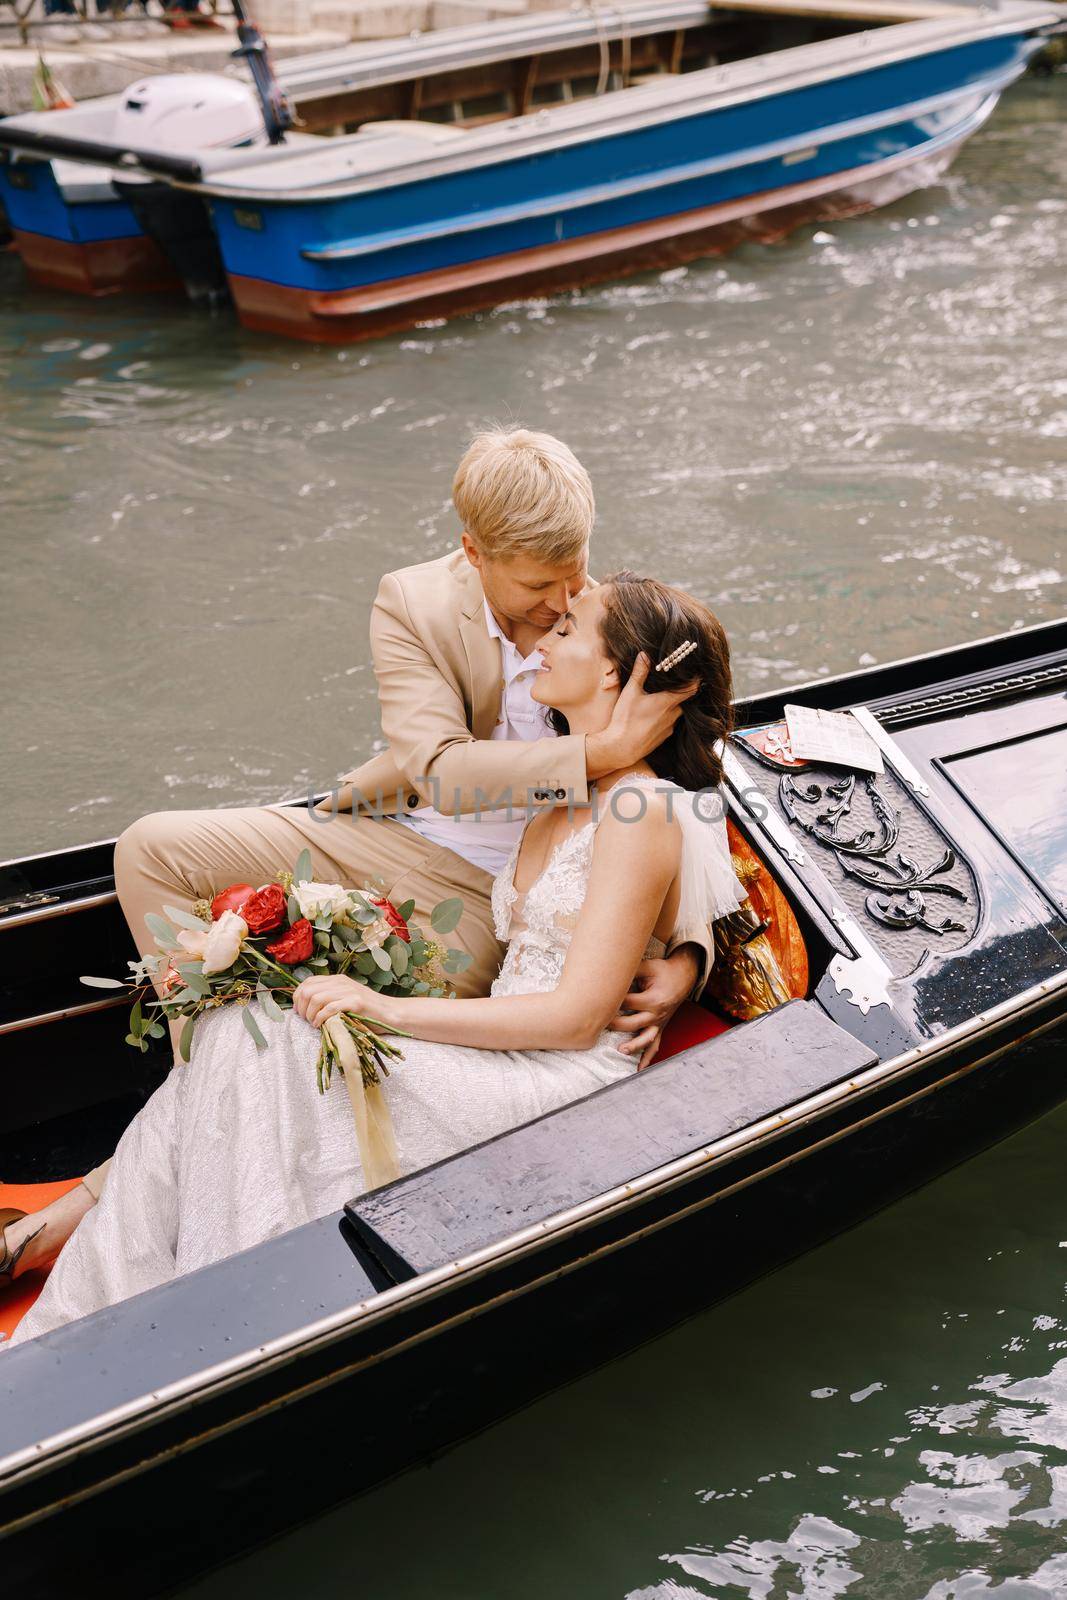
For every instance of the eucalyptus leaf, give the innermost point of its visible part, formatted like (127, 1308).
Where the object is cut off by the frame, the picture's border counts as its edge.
(322, 940)
(446, 914)
(406, 909)
(366, 963)
(161, 930)
(137, 1042)
(271, 1008)
(337, 944)
(184, 919)
(185, 1042)
(156, 1031)
(293, 908)
(364, 916)
(137, 1022)
(103, 983)
(319, 963)
(194, 979)
(253, 1027)
(398, 955)
(302, 870)
(302, 972)
(457, 961)
(417, 948)
(420, 987)
(381, 959)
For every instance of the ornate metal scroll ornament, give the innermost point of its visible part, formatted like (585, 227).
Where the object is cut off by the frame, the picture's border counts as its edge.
(898, 885)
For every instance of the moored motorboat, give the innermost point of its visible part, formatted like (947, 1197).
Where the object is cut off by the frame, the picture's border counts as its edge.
(113, 225)
(465, 184)
(75, 223)
(931, 905)
(367, 235)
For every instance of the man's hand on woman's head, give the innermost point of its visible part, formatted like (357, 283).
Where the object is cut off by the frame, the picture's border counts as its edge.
(639, 723)
(658, 990)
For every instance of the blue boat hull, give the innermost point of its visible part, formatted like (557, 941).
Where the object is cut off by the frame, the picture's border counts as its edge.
(351, 266)
(93, 246)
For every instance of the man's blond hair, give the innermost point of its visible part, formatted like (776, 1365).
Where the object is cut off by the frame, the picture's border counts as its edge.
(516, 490)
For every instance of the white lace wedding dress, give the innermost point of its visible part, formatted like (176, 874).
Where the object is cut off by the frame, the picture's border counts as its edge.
(238, 1145)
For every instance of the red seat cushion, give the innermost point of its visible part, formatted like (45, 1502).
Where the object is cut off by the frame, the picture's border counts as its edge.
(17, 1298)
(690, 1025)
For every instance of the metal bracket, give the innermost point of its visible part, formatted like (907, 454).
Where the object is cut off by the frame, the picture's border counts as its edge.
(863, 979)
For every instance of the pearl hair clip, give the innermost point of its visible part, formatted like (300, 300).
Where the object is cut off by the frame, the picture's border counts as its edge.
(677, 655)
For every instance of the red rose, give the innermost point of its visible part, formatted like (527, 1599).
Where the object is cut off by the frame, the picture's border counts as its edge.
(394, 919)
(231, 899)
(265, 909)
(294, 946)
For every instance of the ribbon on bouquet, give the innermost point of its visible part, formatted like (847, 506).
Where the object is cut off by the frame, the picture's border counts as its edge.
(374, 1125)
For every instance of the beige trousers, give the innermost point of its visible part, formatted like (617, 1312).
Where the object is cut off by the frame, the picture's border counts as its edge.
(176, 857)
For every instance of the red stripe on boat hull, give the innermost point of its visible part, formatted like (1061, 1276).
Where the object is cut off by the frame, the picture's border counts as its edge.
(349, 315)
(104, 266)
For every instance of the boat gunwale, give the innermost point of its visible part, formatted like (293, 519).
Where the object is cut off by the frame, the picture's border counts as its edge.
(986, 94)
(182, 1394)
(709, 89)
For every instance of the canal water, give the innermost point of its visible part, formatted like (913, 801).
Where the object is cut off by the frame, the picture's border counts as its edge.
(854, 444)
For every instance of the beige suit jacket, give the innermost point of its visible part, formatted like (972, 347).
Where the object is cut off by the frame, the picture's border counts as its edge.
(439, 684)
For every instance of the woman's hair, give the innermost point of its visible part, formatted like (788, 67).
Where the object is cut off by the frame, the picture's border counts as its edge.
(515, 490)
(644, 614)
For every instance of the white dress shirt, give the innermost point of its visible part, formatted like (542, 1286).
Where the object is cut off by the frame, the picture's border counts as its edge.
(486, 840)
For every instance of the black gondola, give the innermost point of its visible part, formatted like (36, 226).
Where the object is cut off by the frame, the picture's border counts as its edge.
(151, 1440)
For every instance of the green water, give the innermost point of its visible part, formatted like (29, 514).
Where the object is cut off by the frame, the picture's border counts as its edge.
(855, 445)
(884, 1419)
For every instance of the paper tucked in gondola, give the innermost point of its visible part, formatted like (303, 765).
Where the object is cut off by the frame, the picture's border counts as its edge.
(831, 737)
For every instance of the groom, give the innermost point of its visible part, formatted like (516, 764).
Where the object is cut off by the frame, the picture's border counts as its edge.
(469, 750)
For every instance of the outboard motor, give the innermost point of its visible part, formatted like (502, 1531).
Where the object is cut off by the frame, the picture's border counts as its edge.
(178, 113)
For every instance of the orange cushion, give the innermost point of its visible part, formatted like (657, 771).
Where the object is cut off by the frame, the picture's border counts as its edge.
(17, 1298)
(691, 1024)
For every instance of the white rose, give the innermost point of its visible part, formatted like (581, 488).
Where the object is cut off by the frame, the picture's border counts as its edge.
(223, 942)
(193, 943)
(321, 899)
(376, 933)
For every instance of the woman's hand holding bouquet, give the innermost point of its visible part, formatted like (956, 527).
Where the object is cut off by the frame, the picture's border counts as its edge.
(323, 949)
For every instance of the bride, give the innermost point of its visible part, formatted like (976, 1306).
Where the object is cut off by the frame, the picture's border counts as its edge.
(238, 1145)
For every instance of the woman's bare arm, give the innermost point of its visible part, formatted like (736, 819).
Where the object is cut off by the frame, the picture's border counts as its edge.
(634, 864)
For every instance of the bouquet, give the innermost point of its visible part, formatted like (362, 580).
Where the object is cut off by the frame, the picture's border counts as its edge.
(258, 944)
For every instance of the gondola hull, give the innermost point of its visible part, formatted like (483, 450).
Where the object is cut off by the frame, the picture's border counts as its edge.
(373, 1338)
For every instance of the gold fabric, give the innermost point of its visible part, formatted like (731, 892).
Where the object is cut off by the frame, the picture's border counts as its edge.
(374, 1126)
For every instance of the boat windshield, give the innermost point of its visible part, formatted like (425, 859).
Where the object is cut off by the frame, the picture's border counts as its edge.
(1021, 788)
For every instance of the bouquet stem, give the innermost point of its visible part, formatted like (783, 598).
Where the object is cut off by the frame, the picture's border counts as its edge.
(373, 1049)
(358, 1051)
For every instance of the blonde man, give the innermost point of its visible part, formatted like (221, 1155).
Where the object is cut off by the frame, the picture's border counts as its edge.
(436, 814)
